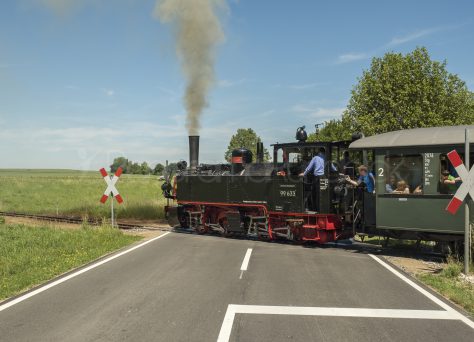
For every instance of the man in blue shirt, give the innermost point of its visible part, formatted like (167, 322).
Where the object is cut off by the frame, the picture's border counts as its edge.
(316, 166)
(316, 169)
(365, 177)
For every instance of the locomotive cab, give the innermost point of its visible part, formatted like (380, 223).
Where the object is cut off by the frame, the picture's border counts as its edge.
(290, 161)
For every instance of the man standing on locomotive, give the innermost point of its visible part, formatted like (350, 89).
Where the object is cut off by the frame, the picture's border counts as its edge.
(316, 168)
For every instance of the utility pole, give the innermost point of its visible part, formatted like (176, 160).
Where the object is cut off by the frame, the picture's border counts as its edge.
(167, 179)
(112, 210)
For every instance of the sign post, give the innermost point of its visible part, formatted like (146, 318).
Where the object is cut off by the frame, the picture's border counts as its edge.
(111, 189)
(467, 224)
(467, 187)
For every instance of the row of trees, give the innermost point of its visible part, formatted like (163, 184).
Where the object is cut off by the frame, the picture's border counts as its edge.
(130, 167)
(399, 92)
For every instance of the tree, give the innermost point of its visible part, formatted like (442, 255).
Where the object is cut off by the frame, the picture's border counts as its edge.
(134, 168)
(119, 162)
(172, 168)
(158, 170)
(333, 130)
(406, 91)
(248, 139)
(144, 168)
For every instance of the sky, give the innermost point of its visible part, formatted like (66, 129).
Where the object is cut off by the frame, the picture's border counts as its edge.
(85, 83)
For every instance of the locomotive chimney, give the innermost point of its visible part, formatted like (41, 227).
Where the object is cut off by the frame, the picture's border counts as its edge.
(193, 151)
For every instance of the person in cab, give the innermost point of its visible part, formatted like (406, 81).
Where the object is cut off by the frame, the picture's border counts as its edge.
(365, 177)
(316, 170)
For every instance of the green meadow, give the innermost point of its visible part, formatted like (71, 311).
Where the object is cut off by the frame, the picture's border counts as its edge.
(77, 193)
(32, 255)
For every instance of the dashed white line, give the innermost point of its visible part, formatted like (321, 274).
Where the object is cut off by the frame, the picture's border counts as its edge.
(245, 262)
(75, 274)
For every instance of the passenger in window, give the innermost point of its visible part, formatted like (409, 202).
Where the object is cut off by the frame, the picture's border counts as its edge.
(365, 177)
(450, 179)
(402, 188)
(449, 182)
(418, 190)
(391, 185)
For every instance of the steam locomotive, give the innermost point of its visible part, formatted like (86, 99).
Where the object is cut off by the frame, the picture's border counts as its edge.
(265, 200)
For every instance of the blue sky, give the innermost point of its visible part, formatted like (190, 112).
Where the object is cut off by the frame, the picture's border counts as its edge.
(81, 86)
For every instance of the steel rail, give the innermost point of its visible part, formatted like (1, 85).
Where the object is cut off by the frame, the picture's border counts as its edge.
(77, 220)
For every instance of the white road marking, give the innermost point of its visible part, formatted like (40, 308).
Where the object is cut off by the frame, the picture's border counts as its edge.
(433, 298)
(75, 274)
(447, 314)
(233, 309)
(245, 262)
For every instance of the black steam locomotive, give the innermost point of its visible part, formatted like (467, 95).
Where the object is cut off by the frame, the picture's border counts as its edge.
(266, 200)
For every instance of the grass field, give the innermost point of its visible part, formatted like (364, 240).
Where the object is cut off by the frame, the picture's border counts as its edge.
(32, 255)
(77, 193)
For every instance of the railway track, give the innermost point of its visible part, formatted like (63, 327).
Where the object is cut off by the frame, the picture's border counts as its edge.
(77, 220)
(138, 227)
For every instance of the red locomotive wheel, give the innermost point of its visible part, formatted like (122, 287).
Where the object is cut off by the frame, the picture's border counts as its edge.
(222, 220)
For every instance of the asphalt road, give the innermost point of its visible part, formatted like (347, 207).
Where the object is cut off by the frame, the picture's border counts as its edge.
(186, 287)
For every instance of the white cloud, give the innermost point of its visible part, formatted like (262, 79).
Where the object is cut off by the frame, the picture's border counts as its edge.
(323, 113)
(304, 86)
(108, 92)
(89, 147)
(231, 83)
(395, 41)
(412, 36)
(350, 57)
(267, 113)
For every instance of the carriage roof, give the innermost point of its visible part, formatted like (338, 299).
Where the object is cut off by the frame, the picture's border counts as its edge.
(430, 136)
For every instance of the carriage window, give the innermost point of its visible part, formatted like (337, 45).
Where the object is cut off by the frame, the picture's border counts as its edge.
(404, 174)
(449, 180)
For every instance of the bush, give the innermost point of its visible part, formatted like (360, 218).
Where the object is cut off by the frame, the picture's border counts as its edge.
(452, 270)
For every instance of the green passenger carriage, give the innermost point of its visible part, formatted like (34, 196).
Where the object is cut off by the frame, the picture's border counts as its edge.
(419, 157)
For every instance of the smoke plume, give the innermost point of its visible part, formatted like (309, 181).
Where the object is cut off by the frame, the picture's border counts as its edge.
(198, 31)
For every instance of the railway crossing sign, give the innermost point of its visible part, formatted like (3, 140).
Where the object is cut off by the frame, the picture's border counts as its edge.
(467, 185)
(111, 185)
(111, 189)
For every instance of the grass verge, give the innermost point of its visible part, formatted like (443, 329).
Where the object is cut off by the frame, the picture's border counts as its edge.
(448, 283)
(30, 256)
(76, 193)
